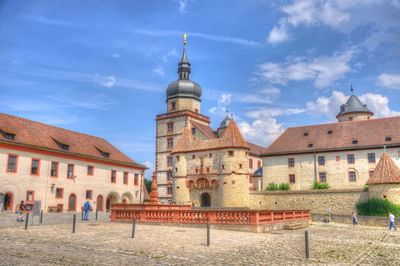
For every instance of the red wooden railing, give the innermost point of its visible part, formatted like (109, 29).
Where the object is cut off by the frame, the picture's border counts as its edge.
(185, 215)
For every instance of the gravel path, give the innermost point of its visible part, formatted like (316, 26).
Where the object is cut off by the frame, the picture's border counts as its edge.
(105, 243)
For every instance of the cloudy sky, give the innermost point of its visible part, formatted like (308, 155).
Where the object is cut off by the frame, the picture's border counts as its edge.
(102, 67)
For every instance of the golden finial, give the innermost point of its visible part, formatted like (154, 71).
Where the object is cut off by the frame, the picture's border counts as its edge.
(184, 39)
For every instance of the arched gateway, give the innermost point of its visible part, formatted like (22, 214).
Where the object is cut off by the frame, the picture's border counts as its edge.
(205, 200)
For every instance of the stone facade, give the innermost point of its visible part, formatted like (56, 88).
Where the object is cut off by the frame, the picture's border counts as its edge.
(354, 117)
(385, 191)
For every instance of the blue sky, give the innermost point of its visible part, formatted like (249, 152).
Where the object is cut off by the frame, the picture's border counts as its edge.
(102, 67)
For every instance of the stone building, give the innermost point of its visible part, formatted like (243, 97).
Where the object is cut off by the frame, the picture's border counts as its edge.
(63, 168)
(343, 154)
(183, 105)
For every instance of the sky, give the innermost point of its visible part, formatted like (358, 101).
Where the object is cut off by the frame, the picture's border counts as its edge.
(102, 67)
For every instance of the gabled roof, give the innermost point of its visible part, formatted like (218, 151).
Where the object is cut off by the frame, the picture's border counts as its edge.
(337, 136)
(255, 149)
(41, 136)
(205, 129)
(386, 172)
(232, 138)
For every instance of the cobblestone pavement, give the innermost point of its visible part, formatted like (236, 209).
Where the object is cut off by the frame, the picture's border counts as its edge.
(8, 219)
(110, 243)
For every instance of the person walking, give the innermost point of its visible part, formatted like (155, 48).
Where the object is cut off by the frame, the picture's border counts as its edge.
(391, 220)
(87, 209)
(21, 211)
(355, 222)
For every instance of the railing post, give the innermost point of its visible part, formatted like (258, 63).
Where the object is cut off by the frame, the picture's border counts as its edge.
(41, 216)
(133, 227)
(307, 245)
(26, 221)
(284, 216)
(96, 213)
(73, 223)
(208, 232)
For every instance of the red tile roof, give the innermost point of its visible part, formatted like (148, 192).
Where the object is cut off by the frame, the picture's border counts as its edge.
(38, 135)
(386, 172)
(232, 138)
(255, 149)
(344, 135)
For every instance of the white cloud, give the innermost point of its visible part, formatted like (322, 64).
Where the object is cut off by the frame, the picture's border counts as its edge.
(106, 81)
(330, 106)
(182, 5)
(159, 71)
(389, 80)
(172, 53)
(261, 131)
(324, 71)
(222, 105)
(264, 96)
(273, 112)
(278, 34)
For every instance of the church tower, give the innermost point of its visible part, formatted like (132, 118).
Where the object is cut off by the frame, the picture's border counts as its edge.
(354, 110)
(183, 106)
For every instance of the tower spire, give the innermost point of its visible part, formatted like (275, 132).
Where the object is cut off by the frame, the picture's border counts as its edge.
(184, 65)
(351, 88)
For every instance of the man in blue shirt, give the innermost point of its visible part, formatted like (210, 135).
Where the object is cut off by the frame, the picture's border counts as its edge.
(87, 209)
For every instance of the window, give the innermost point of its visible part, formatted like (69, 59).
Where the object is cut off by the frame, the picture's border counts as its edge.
(208, 169)
(169, 176)
(258, 164)
(240, 166)
(113, 176)
(291, 162)
(371, 173)
(54, 169)
(193, 156)
(329, 132)
(7, 135)
(169, 190)
(251, 163)
(60, 207)
(173, 105)
(59, 193)
(321, 160)
(210, 155)
(388, 139)
(355, 141)
(292, 179)
(322, 177)
(222, 167)
(30, 195)
(35, 167)
(170, 142)
(136, 179)
(90, 170)
(61, 145)
(352, 176)
(337, 158)
(12, 163)
(371, 157)
(305, 134)
(89, 194)
(197, 170)
(310, 145)
(193, 131)
(350, 158)
(169, 160)
(125, 178)
(70, 171)
(230, 153)
(170, 126)
(177, 158)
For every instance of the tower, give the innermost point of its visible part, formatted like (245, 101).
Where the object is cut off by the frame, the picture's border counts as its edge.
(354, 110)
(183, 98)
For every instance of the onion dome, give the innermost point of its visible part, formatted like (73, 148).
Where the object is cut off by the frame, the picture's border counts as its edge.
(353, 105)
(184, 87)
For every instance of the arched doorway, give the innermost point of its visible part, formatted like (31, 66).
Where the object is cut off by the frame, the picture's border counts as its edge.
(205, 200)
(72, 203)
(8, 201)
(124, 201)
(112, 198)
(99, 203)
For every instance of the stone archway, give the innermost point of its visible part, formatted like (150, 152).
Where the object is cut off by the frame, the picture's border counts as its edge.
(127, 196)
(112, 198)
(205, 200)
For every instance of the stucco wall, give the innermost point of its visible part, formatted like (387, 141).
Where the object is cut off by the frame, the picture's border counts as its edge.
(318, 201)
(386, 191)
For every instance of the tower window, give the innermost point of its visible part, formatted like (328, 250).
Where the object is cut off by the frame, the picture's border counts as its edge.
(322, 177)
(305, 134)
(350, 158)
(355, 141)
(352, 176)
(173, 105)
(170, 127)
(321, 160)
(310, 145)
(292, 179)
(291, 162)
(170, 142)
(388, 139)
(371, 157)
(329, 132)
(230, 153)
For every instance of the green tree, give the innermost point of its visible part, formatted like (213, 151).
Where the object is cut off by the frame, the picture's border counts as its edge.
(147, 183)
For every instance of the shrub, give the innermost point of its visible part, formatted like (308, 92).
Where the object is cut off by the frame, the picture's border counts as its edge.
(272, 187)
(284, 186)
(378, 207)
(320, 185)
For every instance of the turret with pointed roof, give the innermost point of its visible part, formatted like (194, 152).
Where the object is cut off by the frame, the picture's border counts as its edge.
(354, 110)
(386, 172)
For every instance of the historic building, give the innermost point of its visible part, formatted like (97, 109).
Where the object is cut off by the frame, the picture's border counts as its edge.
(342, 154)
(184, 111)
(62, 168)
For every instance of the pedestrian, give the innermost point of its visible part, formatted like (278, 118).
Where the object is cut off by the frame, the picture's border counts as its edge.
(21, 211)
(391, 220)
(355, 218)
(87, 209)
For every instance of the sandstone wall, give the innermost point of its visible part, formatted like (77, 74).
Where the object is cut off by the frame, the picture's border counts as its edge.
(341, 201)
(385, 191)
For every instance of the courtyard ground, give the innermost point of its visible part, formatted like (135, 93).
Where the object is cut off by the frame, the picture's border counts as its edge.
(105, 243)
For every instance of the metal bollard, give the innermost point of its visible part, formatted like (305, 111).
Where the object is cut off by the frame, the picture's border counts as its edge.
(82, 214)
(26, 221)
(96, 214)
(133, 227)
(73, 224)
(307, 245)
(208, 232)
(41, 216)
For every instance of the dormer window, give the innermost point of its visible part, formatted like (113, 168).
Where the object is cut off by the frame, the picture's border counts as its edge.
(62, 145)
(104, 153)
(310, 145)
(355, 141)
(388, 139)
(329, 132)
(305, 134)
(8, 135)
